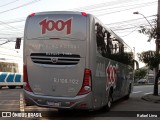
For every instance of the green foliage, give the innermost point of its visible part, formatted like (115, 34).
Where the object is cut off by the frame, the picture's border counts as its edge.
(140, 73)
(151, 32)
(150, 58)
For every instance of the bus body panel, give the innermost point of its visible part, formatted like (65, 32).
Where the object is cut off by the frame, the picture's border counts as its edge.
(56, 54)
(56, 61)
(100, 78)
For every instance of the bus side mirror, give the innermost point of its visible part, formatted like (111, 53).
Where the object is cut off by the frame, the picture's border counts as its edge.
(18, 43)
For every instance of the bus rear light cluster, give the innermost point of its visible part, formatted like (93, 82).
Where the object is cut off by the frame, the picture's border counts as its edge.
(86, 86)
(32, 15)
(25, 79)
(84, 14)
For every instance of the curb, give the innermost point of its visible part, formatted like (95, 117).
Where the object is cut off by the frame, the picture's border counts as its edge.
(136, 84)
(151, 98)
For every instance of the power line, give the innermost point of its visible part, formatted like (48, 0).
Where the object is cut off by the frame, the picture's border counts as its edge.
(11, 55)
(14, 20)
(8, 3)
(29, 3)
(102, 14)
(8, 49)
(9, 25)
(116, 2)
(119, 6)
(129, 32)
(126, 21)
(5, 42)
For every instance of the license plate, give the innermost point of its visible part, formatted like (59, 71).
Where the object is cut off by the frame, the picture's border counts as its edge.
(55, 104)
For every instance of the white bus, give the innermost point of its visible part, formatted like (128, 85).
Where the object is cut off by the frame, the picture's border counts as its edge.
(9, 75)
(72, 61)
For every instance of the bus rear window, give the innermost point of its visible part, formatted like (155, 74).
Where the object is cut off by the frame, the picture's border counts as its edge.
(56, 26)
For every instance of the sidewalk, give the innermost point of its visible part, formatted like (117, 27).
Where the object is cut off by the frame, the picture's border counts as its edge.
(151, 98)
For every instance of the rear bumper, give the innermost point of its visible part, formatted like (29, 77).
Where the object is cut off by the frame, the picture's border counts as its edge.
(78, 102)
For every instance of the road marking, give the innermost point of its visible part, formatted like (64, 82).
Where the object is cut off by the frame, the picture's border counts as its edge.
(21, 103)
(38, 108)
(9, 104)
(136, 92)
(148, 93)
(7, 109)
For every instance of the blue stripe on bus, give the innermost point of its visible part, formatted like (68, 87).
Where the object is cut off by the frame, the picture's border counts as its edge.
(10, 77)
(18, 78)
(2, 77)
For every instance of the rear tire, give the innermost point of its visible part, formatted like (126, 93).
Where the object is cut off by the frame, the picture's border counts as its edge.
(109, 102)
(0, 87)
(11, 87)
(27, 103)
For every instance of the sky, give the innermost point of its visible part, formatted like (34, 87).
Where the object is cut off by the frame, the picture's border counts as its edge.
(116, 14)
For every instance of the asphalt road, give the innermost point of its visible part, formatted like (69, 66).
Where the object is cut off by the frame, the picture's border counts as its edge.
(12, 100)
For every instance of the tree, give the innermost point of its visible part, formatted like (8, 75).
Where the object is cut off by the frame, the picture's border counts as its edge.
(140, 73)
(150, 32)
(151, 58)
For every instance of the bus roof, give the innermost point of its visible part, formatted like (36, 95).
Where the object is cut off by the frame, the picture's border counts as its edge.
(59, 12)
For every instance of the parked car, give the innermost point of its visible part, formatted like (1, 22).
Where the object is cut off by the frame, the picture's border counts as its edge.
(142, 81)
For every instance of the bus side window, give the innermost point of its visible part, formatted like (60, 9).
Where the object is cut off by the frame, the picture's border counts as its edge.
(115, 46)
(121, 48)
(109, 44)
(100, 39)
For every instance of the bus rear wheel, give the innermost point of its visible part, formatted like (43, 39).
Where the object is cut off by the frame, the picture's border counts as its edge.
(109, 103)
(107, 107)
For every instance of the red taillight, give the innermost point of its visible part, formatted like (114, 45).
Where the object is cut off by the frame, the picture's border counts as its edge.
(86, 86)
(31, 15)
(84, 14)
(25, 79)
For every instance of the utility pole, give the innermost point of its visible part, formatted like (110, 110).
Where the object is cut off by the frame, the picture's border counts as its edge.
(134, 65)
(157, 50)
(158, 30)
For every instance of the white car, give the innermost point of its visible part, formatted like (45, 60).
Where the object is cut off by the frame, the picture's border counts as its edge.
(142, 81)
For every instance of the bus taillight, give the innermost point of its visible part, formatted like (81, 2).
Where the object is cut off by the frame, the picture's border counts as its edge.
(25, 79)
(86, 86)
